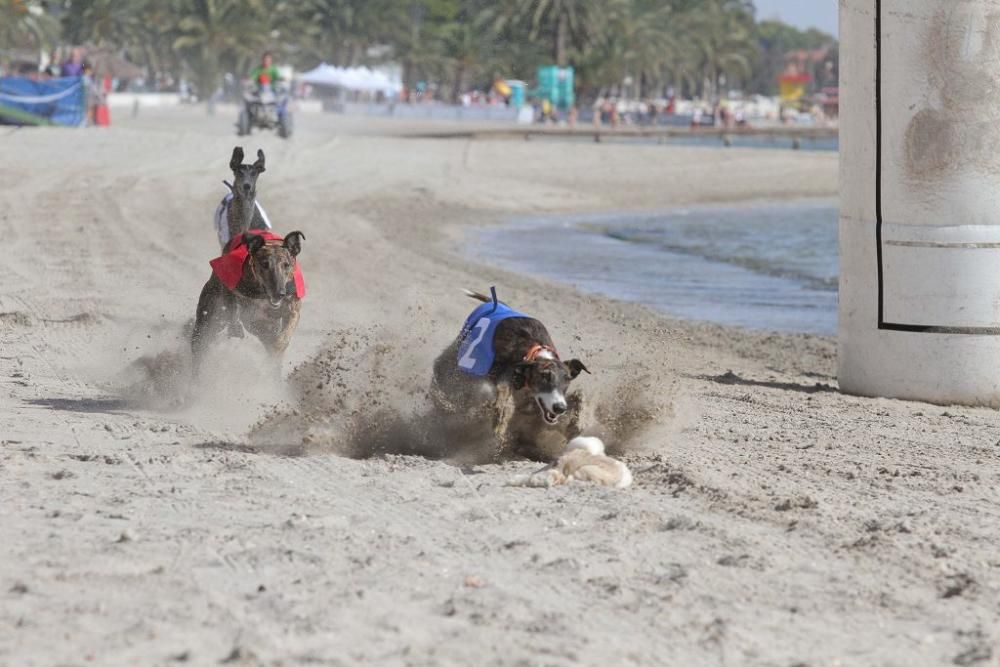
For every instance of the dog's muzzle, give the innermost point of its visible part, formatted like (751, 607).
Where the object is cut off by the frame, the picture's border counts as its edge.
(551, 414)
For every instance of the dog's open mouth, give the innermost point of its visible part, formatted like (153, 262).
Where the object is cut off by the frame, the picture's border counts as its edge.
(550, 417)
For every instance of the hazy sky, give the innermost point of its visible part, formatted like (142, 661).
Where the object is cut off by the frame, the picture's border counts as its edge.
(820, 14)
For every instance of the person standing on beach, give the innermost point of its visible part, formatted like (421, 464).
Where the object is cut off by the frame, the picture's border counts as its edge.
(74, 65)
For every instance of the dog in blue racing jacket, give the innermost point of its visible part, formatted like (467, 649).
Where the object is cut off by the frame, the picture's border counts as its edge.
(504, 366)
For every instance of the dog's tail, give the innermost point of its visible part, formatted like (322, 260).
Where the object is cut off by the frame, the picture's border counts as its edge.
(478, 296)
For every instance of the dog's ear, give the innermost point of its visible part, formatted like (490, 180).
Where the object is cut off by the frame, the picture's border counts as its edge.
(254, 242)
(293, 242)
(519, 376)
(575, 367)
(237, 159)
(259, 164)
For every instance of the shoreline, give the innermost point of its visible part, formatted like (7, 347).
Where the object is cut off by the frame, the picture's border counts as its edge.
(592, 232)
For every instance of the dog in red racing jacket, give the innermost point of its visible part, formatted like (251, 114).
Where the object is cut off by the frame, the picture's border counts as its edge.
(255, 285)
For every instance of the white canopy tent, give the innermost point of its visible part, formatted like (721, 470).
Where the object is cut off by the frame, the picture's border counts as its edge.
(360, 79)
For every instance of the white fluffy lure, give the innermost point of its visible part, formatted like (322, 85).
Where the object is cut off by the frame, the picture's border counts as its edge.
(584, 460)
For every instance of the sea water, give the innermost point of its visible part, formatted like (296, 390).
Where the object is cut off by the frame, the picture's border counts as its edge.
(760, 266)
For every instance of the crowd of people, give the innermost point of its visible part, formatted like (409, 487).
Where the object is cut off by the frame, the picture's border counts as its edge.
(73, 63)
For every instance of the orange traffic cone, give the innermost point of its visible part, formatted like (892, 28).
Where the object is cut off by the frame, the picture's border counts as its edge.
(102, 115)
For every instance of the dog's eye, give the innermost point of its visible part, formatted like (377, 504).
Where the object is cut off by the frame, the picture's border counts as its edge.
(284, 266)
(266, 264)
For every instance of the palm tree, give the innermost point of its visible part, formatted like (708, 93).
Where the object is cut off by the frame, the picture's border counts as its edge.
(701, 43)
(26, 24)
(418, 43)
(638, 43)
(139, 26)
(722, 35)
(105, 22)
(342, 31)
(211, 32)
(463, 45)
(440, 39)
(567, 23)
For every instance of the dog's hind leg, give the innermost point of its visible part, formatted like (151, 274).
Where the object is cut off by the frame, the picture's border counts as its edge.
(210, 320)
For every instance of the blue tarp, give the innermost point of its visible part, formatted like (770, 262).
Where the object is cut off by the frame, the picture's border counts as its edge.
(60, 101)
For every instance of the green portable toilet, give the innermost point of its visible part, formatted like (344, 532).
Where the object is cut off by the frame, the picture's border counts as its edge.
(556, 85)
(516, 93)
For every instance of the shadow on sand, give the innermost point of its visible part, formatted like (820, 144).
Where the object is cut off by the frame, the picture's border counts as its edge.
(730, 377)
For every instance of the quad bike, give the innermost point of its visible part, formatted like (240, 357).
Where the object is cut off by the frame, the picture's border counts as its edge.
(265, 108)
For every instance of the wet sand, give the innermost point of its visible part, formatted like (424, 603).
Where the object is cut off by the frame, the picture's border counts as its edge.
(773, 521)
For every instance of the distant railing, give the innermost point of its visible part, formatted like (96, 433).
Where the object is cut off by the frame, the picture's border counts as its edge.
(793, 137)
(423, 111)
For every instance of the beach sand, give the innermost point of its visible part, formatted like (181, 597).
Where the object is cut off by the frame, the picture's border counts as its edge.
(772, 521)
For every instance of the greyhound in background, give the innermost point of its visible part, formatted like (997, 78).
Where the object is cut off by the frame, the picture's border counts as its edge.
(239, 210)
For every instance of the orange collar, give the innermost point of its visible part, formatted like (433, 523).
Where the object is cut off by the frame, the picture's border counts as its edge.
(535, 349)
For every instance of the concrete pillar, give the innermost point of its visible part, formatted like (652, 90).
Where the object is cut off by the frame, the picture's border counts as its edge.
(920, 200)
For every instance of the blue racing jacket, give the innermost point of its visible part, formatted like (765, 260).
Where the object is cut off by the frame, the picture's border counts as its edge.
(475, 351)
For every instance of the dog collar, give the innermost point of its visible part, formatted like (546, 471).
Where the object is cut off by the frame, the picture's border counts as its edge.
(536, 349)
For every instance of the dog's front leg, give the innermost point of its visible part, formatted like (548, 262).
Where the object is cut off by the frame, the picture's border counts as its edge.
(235, 325)
(277, 335)
(275, 357)
(276, 364)
(503, 411)
(574, 415)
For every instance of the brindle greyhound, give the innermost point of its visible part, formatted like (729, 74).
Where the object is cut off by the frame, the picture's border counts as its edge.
(264, 300)
(242, 212)
(524, 390)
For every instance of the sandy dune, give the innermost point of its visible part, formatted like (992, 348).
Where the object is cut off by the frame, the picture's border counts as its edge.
(772, 520)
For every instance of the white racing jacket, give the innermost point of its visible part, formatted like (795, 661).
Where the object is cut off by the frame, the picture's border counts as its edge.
(222, 227)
